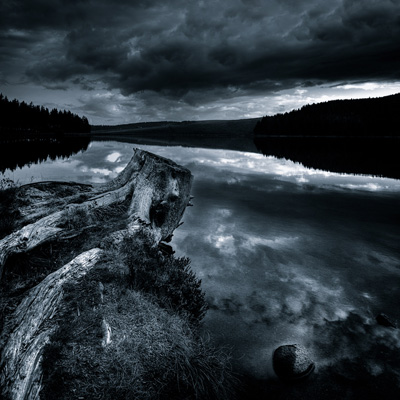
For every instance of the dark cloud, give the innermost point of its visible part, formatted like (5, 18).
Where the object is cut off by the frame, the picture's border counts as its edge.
(214, 49)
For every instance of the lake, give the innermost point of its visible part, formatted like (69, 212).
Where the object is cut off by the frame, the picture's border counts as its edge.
(286, 254)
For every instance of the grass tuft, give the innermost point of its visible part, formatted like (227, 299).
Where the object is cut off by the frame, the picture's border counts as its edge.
(8, 206)
(170, 280)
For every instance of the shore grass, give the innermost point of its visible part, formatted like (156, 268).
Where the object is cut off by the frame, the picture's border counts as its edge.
(168, 279)
(8, 206)
(155, 350)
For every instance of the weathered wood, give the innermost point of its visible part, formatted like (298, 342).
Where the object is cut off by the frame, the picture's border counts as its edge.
(21, 355)
(159, 191)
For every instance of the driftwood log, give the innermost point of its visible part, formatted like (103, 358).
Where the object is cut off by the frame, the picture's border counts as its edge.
(157, 192)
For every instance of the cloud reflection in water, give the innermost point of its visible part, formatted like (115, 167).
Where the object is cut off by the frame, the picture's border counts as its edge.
(286, 254)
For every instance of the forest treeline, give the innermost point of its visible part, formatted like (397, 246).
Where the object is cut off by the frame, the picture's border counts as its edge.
(360, 117)
(22, 120)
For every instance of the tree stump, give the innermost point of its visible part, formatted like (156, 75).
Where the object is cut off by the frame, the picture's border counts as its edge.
(154, 191)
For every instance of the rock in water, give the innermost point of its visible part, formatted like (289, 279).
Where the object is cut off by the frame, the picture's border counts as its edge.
(292, 362)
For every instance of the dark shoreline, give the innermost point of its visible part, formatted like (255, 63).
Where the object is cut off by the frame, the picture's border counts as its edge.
(377, 156)
(366, 155)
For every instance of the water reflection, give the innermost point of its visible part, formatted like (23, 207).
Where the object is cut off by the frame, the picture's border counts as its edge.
(286, 254)
(100, 163)
(16, 154)
(367, 155)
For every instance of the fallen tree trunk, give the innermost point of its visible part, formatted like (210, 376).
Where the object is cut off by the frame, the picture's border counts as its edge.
(157, 190)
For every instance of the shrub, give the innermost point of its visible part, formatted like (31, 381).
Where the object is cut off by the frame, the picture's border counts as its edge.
(8, 206)
(7, 183)
(75, 218)
(170, 280)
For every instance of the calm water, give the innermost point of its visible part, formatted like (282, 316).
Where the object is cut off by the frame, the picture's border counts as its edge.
(286, 255)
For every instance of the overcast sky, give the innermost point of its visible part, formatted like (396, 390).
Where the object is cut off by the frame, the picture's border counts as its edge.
(125, 61)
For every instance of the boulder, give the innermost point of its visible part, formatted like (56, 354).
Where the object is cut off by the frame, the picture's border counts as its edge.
(292, 362)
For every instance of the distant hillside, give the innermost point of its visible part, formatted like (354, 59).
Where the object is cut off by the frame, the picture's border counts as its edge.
(240, 127)
(226, 134)
(361, 117)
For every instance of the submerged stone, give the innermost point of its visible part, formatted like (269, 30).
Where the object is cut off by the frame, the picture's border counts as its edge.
(292, 362)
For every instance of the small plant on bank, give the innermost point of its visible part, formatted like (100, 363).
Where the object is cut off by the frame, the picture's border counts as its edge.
(7, 183)
(8, 206)
(75, 218)
(170, 280)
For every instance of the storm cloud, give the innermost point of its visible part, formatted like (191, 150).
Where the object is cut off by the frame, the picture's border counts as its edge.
(197, 52)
